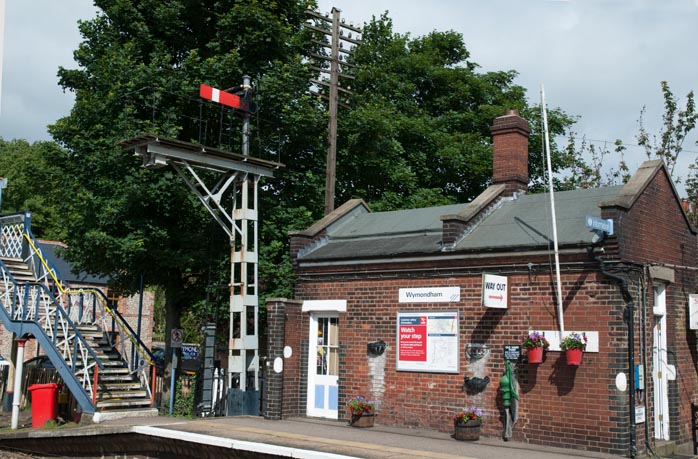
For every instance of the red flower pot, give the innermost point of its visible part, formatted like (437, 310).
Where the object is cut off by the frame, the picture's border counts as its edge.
(574, 356)
(535, 354)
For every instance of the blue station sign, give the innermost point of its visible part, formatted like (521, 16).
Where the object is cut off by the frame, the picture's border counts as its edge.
(600, 224)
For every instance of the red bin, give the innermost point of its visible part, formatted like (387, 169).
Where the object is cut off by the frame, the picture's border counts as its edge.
(44, 403)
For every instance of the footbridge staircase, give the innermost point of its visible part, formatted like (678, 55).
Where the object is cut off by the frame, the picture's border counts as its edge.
(106, 367)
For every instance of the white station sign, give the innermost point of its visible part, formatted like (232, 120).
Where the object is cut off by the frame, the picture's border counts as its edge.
(495, 291)
(429, 295)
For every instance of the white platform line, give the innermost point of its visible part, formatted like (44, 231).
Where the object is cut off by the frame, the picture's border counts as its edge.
(282, 451)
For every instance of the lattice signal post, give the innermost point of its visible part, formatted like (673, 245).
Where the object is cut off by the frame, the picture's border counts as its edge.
(238, 177)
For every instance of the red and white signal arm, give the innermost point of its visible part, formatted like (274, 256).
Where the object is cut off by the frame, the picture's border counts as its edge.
(225, 98)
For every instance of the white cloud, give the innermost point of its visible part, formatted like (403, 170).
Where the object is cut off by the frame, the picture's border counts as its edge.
(600, 59)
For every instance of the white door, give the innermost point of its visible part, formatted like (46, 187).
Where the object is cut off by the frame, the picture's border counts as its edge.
(659, 366)
(323, 366)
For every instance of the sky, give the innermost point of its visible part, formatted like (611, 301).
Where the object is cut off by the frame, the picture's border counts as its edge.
(600, 60)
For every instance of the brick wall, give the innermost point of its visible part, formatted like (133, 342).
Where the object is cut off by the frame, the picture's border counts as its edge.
(128, 306)
(654, 230)
(595, 416)
(276, 320)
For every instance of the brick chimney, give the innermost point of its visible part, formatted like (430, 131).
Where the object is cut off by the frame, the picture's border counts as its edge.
(510, 152)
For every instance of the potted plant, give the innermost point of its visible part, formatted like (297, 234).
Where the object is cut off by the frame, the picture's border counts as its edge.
(535, 343)
(466, 423)
(362, 412)
(573, 345)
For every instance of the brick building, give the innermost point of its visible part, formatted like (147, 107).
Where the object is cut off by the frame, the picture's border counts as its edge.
(482, 276)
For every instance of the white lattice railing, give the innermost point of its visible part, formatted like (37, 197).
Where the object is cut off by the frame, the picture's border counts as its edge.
(11, 236)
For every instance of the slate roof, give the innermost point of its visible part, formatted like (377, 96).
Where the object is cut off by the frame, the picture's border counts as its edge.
(523, 223)
(51, 250)
(528, 222)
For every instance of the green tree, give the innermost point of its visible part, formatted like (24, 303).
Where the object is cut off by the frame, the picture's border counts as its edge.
(592, 174)
(677, 124)
(139, 68)
(32, 179)
(416, 134)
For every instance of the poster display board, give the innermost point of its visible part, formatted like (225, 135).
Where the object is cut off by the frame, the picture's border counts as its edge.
(427, 341)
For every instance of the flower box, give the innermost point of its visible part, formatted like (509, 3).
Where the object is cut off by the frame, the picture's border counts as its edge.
(468, 430)
(363, 420)
(466, 424)
(361, 412)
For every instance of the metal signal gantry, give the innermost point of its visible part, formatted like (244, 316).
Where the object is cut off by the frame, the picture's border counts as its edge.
(238, 178)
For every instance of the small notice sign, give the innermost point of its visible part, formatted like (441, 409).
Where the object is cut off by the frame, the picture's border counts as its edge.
(495, 293)
(512, 352)
(693, 312)
(176, 337)
(639, 414)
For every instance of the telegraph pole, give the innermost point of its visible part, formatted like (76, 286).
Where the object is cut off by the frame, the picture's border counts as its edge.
(337, 60)
(332, 130)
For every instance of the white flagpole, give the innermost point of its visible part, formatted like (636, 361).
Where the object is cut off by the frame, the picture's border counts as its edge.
(2, 44)
(561, 319)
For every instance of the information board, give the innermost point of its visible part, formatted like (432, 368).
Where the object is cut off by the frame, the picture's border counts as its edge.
(428, 341)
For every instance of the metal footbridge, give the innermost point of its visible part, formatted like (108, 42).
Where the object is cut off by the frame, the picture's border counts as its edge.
(99, 357)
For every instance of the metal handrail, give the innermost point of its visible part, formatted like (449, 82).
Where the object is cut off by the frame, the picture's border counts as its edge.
(102, 301)
(119, 320)
(24, 302)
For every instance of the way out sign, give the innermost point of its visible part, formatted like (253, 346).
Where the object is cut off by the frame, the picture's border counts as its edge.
(495, 291)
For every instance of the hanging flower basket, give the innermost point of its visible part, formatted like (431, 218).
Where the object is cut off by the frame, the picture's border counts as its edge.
(574, 345)
(574, 356)
(535, 355)
(535, 343)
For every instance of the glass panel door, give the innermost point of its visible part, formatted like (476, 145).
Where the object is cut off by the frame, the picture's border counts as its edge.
(323, 371)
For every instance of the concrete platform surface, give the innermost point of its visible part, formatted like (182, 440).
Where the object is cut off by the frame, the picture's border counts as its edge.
(306, 438)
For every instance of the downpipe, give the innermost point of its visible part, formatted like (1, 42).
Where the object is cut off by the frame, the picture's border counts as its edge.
(629, 317)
